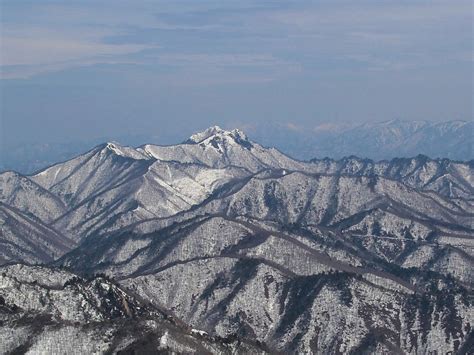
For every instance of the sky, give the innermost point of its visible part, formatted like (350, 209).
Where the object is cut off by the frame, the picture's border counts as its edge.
(77, 70)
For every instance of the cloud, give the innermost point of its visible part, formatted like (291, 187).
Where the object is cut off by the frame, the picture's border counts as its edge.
(222, 60)
(370, 14)
(331, 127)
(293, 127)
(48, 50)
(244, 42)
(31, 51)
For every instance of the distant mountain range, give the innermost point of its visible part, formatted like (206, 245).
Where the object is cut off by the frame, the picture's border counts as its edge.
(378, 141)
(221, 245)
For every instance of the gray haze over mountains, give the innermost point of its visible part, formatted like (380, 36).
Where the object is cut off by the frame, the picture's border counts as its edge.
(78, 70)
(377, 141)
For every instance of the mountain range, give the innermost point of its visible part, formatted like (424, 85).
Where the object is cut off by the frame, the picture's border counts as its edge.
(378, 140)
(221, 245)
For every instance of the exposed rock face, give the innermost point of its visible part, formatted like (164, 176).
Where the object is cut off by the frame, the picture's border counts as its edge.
(253, 250)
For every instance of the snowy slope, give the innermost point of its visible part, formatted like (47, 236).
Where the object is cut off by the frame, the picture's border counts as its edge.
(449, 178)
(216, 147)
(52, 311)
(96, 171)
(23, 193)
(242, 242)
(27, 239)
(245, 277)
(166, 188)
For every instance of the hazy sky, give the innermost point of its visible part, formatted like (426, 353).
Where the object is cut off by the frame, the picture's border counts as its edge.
(83, 69)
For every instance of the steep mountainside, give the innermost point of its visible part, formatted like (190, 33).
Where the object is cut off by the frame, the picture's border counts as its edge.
(294, 292)
(53, 311)
(164, 189)
(96, 171)
(296, 228)
(258, 251)
(26, 238)
(449, 178)
(26, 195)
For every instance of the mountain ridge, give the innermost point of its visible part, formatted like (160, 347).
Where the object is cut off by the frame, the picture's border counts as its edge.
(449, 139)
(243, 242)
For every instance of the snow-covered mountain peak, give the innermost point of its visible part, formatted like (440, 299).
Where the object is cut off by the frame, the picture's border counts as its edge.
(209, 132)
(215, 135)
(124, 151)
